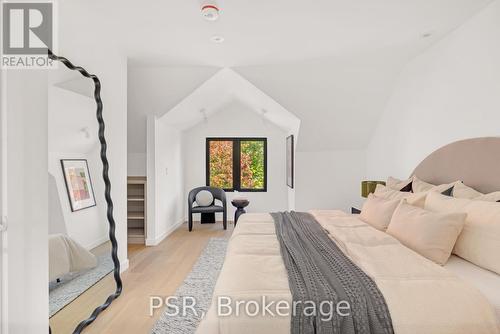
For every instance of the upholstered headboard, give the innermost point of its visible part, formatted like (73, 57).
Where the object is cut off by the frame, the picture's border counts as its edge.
(475, 161)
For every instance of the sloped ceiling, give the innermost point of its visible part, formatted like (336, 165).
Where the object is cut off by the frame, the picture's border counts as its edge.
(331, 63)
(153, 90)
(72, 113)
(224, 88)
(338, 101)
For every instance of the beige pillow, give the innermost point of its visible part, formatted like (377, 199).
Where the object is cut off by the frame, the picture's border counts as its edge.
(397, 184)
(443, 187)
(430, 234)
(421, 186)
(460, 190)
(491, 197)
(390, 194)
(378, 211)
(479, 241)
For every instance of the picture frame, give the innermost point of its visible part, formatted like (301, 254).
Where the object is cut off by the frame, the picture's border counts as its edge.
(290, 160)
(78, 184)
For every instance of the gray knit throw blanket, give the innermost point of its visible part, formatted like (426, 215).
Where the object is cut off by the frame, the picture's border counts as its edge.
(320, 274)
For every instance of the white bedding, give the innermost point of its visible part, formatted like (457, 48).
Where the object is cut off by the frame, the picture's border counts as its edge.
(422, 296)
(66, 256)
(484, 280)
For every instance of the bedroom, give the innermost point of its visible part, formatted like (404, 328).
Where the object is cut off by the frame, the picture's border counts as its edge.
(368, 91)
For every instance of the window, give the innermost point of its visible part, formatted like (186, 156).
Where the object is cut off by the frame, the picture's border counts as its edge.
(237, 163)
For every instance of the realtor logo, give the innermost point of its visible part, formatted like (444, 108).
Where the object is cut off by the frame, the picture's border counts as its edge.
(28, 30)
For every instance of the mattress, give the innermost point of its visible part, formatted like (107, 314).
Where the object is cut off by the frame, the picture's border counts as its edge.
(484, 280)
(422, 296)
(66, 256)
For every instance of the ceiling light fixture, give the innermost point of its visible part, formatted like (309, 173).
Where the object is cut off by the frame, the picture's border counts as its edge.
(217, 39)
(204, 115)
(210, 12)
(264, 113)
(427, 34)
(85, 132)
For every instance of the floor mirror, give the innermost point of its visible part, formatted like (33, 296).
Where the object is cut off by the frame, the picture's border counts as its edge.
(84, 270)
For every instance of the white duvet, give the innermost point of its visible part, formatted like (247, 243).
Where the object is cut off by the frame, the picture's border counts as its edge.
(66, 256)
(423, 298)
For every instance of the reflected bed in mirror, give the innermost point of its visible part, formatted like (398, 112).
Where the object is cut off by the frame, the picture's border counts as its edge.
(84, 271)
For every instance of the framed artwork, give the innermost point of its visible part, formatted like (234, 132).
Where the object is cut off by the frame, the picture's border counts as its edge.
(290, 161)
(78, 183)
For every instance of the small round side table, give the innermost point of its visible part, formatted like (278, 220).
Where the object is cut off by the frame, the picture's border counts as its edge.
(240, 204)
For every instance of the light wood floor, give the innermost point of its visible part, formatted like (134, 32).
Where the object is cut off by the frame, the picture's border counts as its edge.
(153, 271)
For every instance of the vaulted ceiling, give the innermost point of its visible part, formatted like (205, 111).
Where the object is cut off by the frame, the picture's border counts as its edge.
(331, 63)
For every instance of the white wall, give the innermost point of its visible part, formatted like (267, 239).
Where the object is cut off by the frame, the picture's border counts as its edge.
(112, 72)
(236, 120)
(88, 227)
(165, 180)
(27, 205)
(329, 179)
(450, 92)
(136, 164)
(69, 113)
(100, 56)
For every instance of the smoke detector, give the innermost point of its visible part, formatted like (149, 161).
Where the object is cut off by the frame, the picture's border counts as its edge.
(210, 12)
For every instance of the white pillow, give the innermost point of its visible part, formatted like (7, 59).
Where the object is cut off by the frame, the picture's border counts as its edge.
(491, 197)
(378, 211)
(420, 186)
(431, 234)
(204, 198)
(390, 194)
(397, 184)
(479, 241)
(460, 190)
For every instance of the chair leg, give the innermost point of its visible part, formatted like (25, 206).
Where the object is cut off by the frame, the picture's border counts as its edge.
(190, 222)
(224, 221)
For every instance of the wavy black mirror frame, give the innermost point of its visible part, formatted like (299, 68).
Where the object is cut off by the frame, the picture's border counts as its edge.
(107, 192)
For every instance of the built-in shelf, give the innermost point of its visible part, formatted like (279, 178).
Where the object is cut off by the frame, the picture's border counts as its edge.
(135, 199)
(136, 210)
(135, 216)
(136, 231)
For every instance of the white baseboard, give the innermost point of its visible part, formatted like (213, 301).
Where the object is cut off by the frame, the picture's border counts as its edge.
(156, 241)
(124, 266)
(98, 242)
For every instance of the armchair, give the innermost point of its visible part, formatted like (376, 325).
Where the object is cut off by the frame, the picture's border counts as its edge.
(207, 212)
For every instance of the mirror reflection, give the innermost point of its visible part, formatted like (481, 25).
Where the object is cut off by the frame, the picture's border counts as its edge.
(80, 263)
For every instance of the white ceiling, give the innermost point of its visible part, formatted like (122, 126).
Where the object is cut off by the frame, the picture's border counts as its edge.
(331, 63)
(338, 102)
(72, 122)
(224, 88)
(275, 31)
(155, 91)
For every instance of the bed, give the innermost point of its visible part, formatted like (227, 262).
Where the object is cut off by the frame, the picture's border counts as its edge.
(67, 256)
(421, 296)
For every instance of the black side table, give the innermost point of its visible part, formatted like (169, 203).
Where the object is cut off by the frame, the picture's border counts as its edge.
(240, 204)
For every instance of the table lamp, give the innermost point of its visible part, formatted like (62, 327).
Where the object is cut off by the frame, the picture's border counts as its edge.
(368, 187)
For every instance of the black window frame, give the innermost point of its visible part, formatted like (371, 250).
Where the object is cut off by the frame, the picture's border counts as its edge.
(236, 161)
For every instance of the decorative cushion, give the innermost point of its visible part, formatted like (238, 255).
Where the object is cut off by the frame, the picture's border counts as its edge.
(378, 211)
(420, 186)
(479, 241)
(430, 234)
(207, 209)
(204, 198)
(491, 197)
(397, 184)
(390, 194)
(448, 192)
(462, 191)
